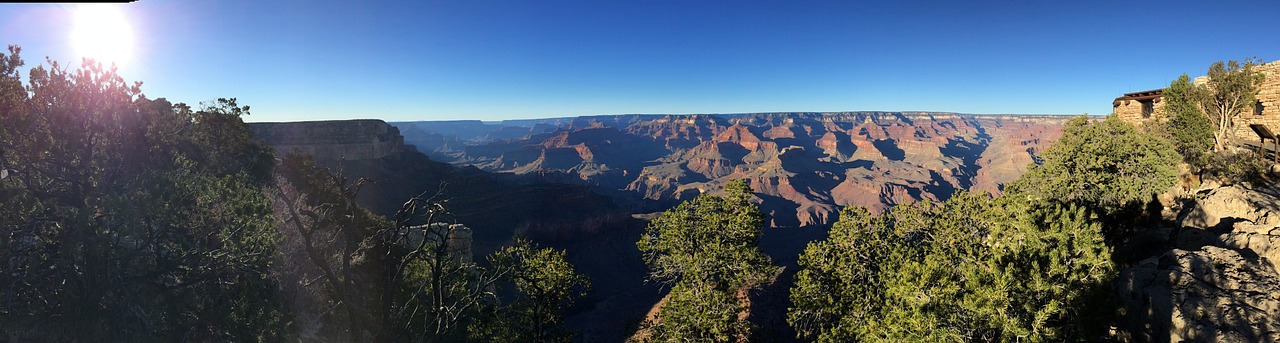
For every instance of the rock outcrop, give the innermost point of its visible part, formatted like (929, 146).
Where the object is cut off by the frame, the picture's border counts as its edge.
(1208, 295)
(598, 235)
(1236, 208)
(334, 139)
(1219, 282)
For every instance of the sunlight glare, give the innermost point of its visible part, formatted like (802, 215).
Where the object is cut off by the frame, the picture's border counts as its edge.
(102, 33)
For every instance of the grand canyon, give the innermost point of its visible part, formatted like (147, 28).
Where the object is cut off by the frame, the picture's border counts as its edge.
(588, 184)
(803, 166)
(640, 172)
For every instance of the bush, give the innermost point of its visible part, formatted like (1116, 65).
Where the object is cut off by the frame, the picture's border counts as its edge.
(1185, 125)
(967, 269)
(1246, 167)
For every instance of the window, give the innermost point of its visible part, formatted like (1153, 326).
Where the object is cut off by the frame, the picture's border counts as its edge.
(1257, 109)
(1148, 107)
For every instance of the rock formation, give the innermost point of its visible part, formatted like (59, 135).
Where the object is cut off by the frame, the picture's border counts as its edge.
(333, 140)
(598, 235)
(803, 166)
(1210, 294)
(1219, 283)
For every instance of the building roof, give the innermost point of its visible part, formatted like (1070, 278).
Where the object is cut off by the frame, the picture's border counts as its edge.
(1153, 95)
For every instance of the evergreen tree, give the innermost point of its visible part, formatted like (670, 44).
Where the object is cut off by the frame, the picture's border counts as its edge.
(709, 248)
(337, 275)
(968, 269)
(545, 285)
(1186, 126)
(114, 223)
(1107, 167)
(1231, 90)
(1106, 164)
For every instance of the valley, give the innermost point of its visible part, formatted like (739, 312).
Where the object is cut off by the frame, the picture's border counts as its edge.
(803, 166)
(588, 184)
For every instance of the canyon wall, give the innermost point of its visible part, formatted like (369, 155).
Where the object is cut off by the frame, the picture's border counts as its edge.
(334, 139)
(803, 166)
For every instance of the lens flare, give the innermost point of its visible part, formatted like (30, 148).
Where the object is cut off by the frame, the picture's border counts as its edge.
(102, 32)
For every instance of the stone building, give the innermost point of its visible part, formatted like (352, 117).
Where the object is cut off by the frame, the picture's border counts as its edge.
(1142, 106)
(1267, 110)
(1138, 107)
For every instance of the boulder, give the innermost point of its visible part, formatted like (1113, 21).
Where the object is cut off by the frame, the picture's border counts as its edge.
(1213, 294)
(1266, 247)
(1240, 209)
(1236, 218)
(1220, 282)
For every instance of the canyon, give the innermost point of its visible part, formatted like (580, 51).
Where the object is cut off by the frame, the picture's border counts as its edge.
(586, 184)
(804, 167)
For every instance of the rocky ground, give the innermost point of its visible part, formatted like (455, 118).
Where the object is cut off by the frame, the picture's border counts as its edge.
(1218, 281)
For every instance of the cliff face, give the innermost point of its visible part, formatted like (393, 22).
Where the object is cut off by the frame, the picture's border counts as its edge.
(333, 140)
(804, 166)
(374, 150)
(543, 178)
(598, 235)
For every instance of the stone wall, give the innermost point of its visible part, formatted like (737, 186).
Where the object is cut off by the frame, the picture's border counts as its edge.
(1269, 95)
(1131, 110)
(332, 140)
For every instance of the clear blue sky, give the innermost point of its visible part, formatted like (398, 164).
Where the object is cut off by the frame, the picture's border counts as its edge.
(480, 59)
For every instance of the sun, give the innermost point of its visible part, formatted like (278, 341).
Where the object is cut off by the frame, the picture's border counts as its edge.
(102, 32)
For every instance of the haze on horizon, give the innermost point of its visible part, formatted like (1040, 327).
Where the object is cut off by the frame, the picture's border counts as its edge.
(494, 60)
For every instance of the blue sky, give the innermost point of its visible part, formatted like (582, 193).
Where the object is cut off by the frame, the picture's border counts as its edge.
(489, 60)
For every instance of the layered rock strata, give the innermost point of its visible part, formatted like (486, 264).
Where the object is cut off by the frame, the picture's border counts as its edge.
(803, 166)
(333, 140)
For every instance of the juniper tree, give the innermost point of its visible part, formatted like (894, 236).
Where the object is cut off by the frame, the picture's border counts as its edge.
(120, 221)
(708, 249)
(968, 269)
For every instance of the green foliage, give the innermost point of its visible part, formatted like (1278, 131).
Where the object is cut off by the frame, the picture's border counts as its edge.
(709, 239)
(1031, 265)
(224, 144)
(1231, 90)
(411, 279)
(967, 269)
(124, 218)
(546, 286)
(438, 290)
(339, 253)
(708, 247)
(1105, 165)
(437, 295)
(112, 227)
(700, 313)
(1186, 126)
(1239, 167)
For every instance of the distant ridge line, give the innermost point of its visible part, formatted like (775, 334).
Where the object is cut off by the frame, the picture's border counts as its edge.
(909, 114)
